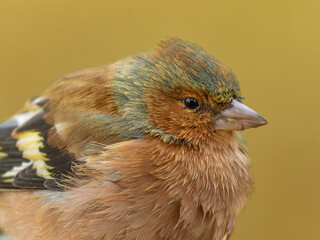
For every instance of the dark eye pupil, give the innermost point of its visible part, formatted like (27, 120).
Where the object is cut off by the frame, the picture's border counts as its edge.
(191, 103)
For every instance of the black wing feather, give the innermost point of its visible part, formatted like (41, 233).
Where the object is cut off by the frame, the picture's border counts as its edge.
(46, 168)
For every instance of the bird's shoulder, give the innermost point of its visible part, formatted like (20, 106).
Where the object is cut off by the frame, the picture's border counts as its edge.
(40, 145)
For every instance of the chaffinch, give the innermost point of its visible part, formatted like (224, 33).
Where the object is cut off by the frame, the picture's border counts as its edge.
(146, 148)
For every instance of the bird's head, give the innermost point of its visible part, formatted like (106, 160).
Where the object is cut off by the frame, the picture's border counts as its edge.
(181, 93)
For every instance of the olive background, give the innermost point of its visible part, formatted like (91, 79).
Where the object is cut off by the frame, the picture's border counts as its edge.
(273, 46)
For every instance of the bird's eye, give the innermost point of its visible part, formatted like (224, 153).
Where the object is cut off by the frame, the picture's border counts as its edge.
(191, 103)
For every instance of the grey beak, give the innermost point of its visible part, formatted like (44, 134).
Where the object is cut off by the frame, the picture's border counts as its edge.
(238, 117)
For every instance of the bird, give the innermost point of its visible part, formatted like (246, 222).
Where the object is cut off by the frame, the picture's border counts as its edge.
(147, 148)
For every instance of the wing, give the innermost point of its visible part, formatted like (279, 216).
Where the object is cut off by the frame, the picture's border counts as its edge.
(35, 154)
(40, 145)
(27, 160)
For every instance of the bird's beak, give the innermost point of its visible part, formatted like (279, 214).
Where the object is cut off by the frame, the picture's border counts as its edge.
(238, 117)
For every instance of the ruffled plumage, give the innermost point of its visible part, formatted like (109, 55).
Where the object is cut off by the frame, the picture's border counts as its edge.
(111, 153)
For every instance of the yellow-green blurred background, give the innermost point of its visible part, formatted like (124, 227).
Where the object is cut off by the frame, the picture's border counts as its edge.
(273, 46)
